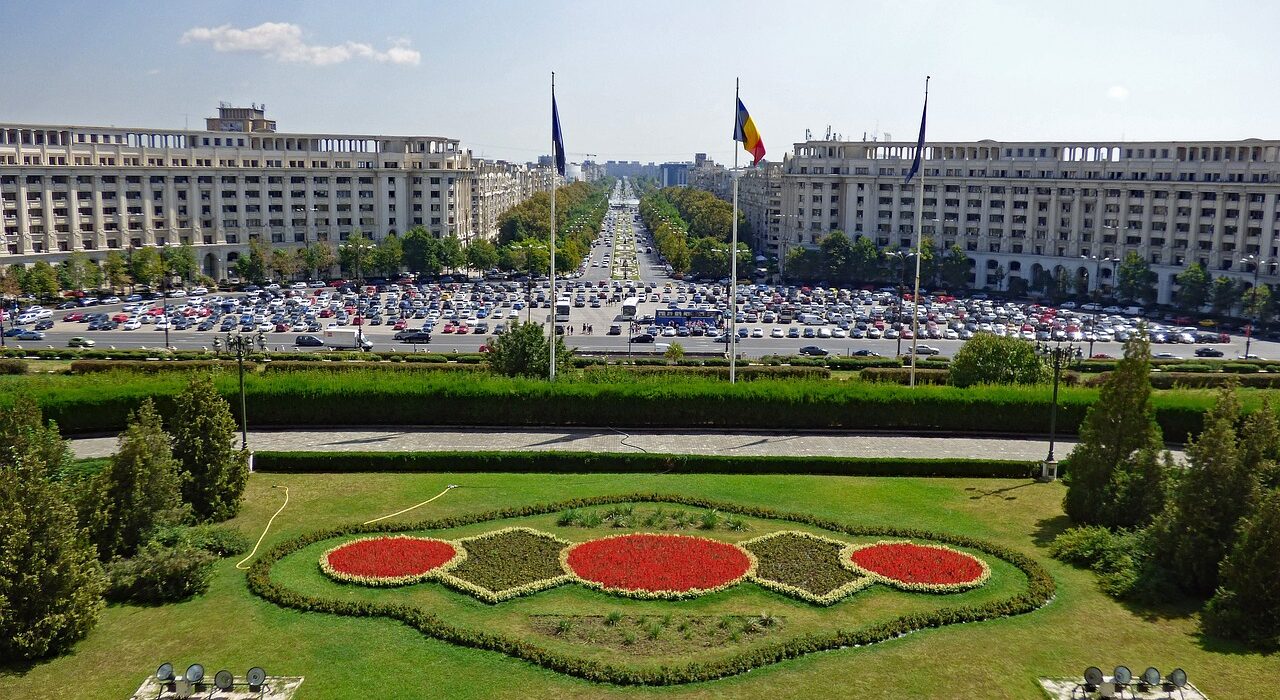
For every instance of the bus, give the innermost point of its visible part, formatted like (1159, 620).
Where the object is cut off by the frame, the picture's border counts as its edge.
(562, 310)
(629, 306)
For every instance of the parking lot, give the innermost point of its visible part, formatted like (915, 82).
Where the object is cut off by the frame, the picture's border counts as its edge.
(459, 315)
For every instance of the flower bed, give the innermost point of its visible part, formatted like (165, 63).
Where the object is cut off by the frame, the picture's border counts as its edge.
(805, 566)
(658, 566)
(507, 563)
(390, 560)
(917, 567)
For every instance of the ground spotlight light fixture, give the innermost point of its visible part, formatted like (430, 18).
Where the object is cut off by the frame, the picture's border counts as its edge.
(1150, 679)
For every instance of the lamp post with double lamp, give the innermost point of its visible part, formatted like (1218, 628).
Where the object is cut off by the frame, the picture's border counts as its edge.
(241, 345)
(1257, 263)
(1097, 294)
(1059, 356)
(902, 255)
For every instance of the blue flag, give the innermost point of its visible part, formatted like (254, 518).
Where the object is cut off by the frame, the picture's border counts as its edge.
(915, 164)
(556, 137)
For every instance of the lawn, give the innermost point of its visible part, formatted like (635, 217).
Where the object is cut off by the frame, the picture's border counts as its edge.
(346, 657)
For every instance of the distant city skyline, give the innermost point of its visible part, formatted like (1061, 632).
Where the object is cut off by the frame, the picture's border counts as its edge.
(653, 82)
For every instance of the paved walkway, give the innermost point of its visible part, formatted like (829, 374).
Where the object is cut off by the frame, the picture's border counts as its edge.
(606, 440)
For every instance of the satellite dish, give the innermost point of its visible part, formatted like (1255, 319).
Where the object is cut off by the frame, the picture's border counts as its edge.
(256, 676)
(1093, 675)
(195, 673)
(1151, 676)
(1123, 675)
(224, 680)
(165, 672)
(1178, 678)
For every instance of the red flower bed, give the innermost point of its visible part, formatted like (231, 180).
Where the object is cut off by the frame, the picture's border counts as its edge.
(389, 560)
(658, 566)
(919, 567)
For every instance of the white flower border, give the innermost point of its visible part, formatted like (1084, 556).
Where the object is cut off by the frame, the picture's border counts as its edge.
(831, 597)
(460, 555)
(846, 559)
(660, 594)
(490, 596)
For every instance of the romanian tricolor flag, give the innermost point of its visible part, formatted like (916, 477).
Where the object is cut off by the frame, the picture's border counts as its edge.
(744, 130)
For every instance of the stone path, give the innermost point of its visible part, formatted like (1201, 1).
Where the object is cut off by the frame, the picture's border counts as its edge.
(607, 440)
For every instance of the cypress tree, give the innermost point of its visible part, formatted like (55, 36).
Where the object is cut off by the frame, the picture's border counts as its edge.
(1215, 492)
(137, 491)
(1116, 475)
(213, 471)
(24, 432)
(1260, 445)
(1247, 605)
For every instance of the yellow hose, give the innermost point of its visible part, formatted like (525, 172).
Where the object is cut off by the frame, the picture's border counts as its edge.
(406, 510)
(239, 564)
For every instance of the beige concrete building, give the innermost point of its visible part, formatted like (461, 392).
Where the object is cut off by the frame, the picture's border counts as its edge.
(97, 189)
(1021, 208)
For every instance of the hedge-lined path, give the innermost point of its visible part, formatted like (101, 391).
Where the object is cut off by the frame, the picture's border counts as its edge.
(606, 440)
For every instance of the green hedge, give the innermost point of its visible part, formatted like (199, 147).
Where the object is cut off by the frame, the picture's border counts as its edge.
(746, 372)
(99, 402)
(1039, 591)
(556, 462)
(299, 366)
(151, 367)
(902, 375)
(1208, 380)
(11, 366)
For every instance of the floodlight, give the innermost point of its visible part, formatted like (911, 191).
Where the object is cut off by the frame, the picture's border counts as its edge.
(1092, 678)
(164, 673)
(195, 673)
(1150, 678)
(256, 676)
(1178, 678)
(223, 680)
(1122, 675)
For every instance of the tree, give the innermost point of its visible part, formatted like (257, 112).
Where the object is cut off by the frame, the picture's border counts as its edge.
(482, 255)
(145, 266)
(1256, 303)
(1116, 474)
(137, 491)
(421, 252)
(180, 261)
(991, 359)
(1223, 295)
(73, 273)
(388, 257)
(674, 353)
(1000, 275)
(40, 281)
(451, 255)
(865, 261)
(23, 431)
(283, 263)
(50, 582)
(1215, 491)
(212, 470)
(837, 257)
(316, 258)
(955, 270)
(1136, 280)
(354, 254)
(1193, 288)
(1247, 604)
(253, 267)
(11, 281)
(116, 270)
(524, 351)
(1260, 445)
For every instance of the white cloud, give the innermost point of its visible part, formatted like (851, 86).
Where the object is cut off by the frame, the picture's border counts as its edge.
(282, 41)
(1118, 92)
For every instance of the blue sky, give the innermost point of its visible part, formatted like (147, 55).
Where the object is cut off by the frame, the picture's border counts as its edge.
(653, 80)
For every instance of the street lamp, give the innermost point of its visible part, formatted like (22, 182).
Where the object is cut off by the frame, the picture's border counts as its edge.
(241, 344)
(1058, 356)
(1257, 263)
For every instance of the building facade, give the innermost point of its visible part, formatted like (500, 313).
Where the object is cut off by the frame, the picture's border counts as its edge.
(96, 189)
(1024, 209)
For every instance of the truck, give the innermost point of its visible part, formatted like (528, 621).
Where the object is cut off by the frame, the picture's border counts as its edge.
(346, 339)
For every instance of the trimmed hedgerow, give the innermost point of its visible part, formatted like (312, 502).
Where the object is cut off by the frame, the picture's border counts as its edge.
(145, 367)
(536, 461)
(902, 375)
(1040, 590)
(279, 366)
(10, 366)
(743, 371)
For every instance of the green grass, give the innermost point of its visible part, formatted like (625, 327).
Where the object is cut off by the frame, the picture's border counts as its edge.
(346, 657)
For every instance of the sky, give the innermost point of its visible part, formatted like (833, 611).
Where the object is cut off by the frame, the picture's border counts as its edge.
(653, 80)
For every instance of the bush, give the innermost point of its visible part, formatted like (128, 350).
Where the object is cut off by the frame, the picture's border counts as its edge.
(1247, 605)
(218, 540)
(90, 366)
(409, 366)
(1240, 368)
(745, 372)
(992, 359)
(160, 574)
(1209, 380)
(8, 366)
(902, 375)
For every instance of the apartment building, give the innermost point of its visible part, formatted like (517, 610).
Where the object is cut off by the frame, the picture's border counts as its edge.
(759, 197)
(97, 189)
(1022, 209)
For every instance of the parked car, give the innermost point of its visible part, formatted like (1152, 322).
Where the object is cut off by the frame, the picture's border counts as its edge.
(308, 341)
(642, 338)
(927, 350)
(865, 353)
(31, 335)
(413, 337)
(813, 350)
(1208, 352)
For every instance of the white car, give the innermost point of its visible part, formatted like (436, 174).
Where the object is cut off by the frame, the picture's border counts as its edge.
(823, 332)
(755, 333)
(775, 333)
(134, 324)
(839, 333)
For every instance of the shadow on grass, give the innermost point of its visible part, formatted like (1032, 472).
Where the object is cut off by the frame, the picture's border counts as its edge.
(1049, 528)
(1219, 645)
(978, 493)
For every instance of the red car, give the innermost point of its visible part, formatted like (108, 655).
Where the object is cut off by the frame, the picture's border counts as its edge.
(400, 325)
(73, 316)
(120, 318)
(449, 328)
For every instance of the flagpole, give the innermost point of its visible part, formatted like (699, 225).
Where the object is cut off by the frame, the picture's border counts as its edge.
(915, 299)
(554, 299)
(733, 259)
